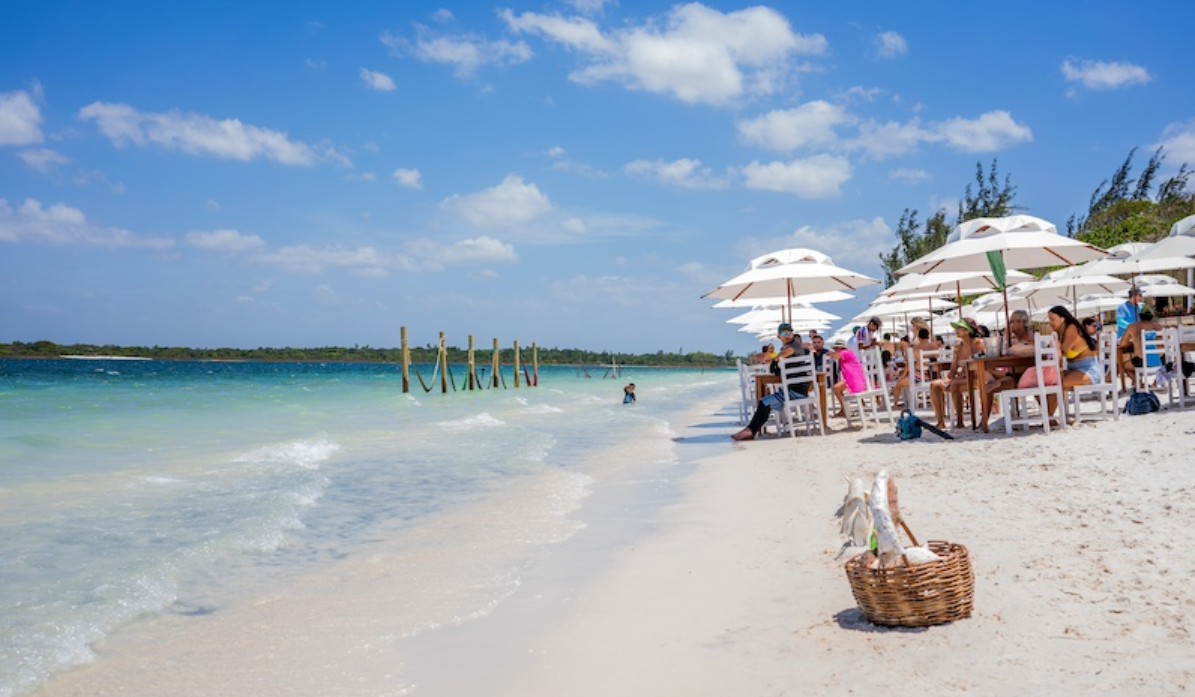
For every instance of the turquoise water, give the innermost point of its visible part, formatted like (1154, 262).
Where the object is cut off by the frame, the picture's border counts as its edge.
(136, 490)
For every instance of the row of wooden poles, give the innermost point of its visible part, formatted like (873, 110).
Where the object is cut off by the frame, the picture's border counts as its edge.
(473, 383)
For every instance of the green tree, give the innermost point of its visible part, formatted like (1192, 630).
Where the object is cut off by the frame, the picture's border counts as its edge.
(1122, 209)
(989, 198)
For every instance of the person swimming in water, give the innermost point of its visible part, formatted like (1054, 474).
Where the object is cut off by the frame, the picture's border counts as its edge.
(628, 394)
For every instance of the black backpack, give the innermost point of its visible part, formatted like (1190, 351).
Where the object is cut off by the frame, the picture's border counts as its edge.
(1142, 403)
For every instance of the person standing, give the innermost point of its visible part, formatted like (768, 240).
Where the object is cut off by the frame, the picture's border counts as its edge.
(628, 394)
(1128, 313)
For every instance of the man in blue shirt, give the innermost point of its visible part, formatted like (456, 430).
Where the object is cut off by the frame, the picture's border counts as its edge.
(1126, 314)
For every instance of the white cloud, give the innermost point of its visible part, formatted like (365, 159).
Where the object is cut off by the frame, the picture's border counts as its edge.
(466, 53)
(852, 244)
(589, 7)
(910, 176)
(378, 82)
(860, 93)
(575, 226)
(469, 252)
(1178, 139)
(693, 53)
(891, 45)
(785, 130)
(820, 176)
(227, 241)
(992, 131)
(20, 118)
(63, 225)
(408, 178)
(513, 202)
(42, 159)
(442, 16)
(856, 244)
(1099, 75)
(195, 134)
(881, 140)
(363, 261)
(682, 174)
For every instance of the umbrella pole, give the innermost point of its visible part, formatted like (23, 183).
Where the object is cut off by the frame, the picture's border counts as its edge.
(1007, 333)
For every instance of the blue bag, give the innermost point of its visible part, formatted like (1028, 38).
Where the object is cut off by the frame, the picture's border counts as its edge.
(1142, 403)
(908, 426)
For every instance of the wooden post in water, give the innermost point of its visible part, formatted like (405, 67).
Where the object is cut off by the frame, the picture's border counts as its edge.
(497, 365)
(535, 363)
(472, 367)
(516, 364)
(406, 362)
(442, 358)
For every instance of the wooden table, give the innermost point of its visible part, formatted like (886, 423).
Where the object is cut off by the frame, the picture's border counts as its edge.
(763, 380)
(976, 367)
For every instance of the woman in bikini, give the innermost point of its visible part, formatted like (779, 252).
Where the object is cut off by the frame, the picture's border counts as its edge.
(1083, 363)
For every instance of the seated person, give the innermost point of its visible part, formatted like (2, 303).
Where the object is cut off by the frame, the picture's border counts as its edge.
(1132, 348)
(790, 345)
(956, 381)
(1092, 326)
(854, 379)
(766, 355)
(918, 371)
(1020, 343)
(823, 358)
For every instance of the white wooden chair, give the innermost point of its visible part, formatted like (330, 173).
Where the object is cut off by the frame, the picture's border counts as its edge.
(796, 371)
(1108, 391)
(917, 391)
(747, 396)
(1153, 357)
(876, 393)
(1015, 404)
(1178, 386)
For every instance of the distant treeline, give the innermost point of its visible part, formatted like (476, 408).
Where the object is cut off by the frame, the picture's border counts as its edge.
(365, 354)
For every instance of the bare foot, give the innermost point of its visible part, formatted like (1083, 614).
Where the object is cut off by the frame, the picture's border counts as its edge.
(839, 415)
(744, 434)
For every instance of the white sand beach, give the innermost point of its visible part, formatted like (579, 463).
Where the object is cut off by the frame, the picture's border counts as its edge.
(1079, 541)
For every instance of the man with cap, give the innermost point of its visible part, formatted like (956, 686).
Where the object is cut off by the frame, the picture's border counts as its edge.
(790, 345)
(1127, 313)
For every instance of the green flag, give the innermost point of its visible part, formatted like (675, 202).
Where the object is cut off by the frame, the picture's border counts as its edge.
(996, 261)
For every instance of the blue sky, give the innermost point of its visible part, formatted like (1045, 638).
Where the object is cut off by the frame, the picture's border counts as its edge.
(573, 173)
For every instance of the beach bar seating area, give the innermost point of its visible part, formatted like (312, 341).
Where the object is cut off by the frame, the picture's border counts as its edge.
(985, 333)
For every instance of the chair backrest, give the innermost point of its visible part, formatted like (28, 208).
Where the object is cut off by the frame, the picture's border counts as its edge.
(797, 370)
(1153, 348)
(1046, 355)
(873, 368)
(1107, 351)
(919, 363)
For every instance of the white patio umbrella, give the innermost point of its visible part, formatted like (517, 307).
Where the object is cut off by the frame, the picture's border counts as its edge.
(1012, 242)
(1086, 306)
(1019, 241)
(946, 285)
(775, 315)
(1114, 263)
(752, 303)
(766, 331)
(1161, 286)
(1065, 286)
(791, 274)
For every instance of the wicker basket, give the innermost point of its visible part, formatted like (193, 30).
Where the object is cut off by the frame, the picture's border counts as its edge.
(915, 596)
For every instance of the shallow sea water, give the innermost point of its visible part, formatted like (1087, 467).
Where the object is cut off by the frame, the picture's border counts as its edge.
(137, 492)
